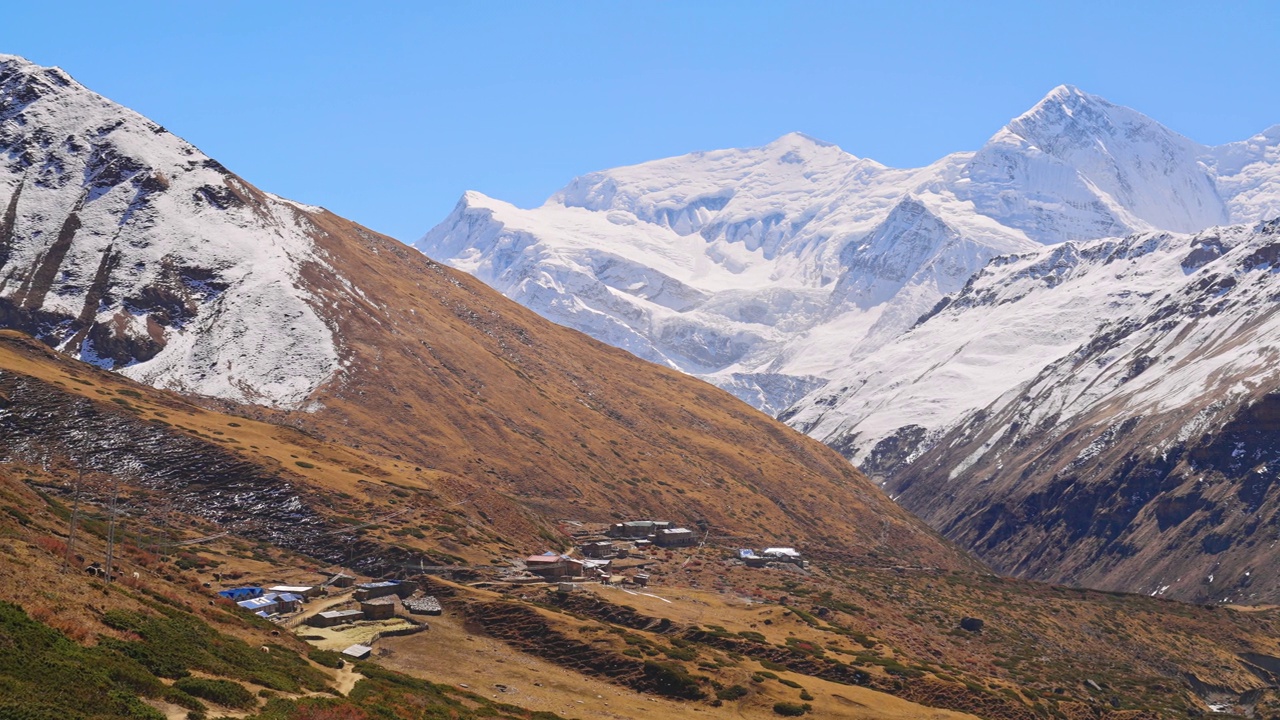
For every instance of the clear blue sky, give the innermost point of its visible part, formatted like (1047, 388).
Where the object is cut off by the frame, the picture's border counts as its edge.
(387, 113)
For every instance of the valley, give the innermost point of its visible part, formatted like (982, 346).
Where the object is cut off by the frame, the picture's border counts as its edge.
(859, 639)
(1037, 348)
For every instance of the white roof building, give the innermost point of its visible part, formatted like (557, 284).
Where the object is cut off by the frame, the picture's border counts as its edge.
(780, 552)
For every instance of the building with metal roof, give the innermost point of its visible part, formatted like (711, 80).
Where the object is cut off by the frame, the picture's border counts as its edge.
(329, 618)
(359, 652)
(266, 603)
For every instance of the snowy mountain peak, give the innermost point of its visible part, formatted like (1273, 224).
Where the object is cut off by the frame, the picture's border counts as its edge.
(22, 81)
(124, 246)
(1068, 114)
(1068, 97)
(1076, 167)
(799, 139)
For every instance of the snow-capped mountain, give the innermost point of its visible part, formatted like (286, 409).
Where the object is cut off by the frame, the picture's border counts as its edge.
(769, 271)
(1097, 412)
(123, 245)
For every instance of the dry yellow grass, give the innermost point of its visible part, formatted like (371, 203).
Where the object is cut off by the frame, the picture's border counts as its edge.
(449, 653)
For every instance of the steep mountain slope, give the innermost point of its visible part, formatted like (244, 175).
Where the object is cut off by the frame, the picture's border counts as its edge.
(768, 271)
(1099, 413)
(126, 247)
(856, 642)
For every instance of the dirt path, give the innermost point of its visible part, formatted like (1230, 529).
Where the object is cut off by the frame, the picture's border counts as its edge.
(346, 679)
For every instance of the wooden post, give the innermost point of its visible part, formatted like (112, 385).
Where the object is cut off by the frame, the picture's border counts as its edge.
(75, 516)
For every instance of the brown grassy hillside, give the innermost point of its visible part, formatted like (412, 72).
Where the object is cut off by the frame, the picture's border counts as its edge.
(452, 377)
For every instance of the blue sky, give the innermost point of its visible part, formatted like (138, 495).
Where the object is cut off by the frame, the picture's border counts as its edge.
(386, 113)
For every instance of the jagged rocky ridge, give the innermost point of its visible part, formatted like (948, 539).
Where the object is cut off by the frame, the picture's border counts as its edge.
(768, 271)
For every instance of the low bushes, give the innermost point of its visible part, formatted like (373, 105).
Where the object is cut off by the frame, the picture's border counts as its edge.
(733, 692)
(223, 692)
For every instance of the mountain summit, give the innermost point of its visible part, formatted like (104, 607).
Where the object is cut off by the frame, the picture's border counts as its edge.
(972, 333)
(1078, 167)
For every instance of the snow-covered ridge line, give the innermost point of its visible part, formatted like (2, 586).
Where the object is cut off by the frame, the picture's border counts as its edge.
(1100, 412)
(769, 271)
(123, 245)
(1028, 317)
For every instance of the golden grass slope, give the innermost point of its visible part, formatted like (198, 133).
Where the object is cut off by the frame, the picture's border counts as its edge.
(446, 373)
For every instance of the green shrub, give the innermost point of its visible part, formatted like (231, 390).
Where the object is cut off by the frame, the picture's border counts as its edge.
(789, 709)
(733, 692)
(174, 642)
(673, 681)
(223, 692)
(184, 699)
(680, 653)
(327, 658)
(43, 674)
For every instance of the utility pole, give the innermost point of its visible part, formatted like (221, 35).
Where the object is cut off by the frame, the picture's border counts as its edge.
(111, 529)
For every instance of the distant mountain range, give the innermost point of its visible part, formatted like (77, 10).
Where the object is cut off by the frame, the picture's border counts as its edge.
(769, 271)
(932, 324)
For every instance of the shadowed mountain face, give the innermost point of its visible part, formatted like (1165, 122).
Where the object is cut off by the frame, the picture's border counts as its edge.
(125, 247)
